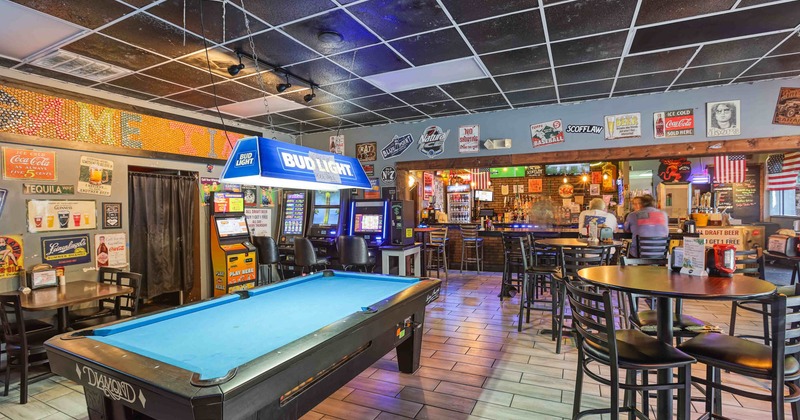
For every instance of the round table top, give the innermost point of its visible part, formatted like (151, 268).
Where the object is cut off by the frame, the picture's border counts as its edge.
(663, 282)
(575, 243)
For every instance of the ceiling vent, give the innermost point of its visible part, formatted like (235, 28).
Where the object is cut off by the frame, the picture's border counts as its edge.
(80, 66)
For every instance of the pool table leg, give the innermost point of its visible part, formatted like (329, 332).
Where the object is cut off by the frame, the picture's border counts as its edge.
(408, 352)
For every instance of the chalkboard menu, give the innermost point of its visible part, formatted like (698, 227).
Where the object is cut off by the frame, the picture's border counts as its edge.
(742, 199)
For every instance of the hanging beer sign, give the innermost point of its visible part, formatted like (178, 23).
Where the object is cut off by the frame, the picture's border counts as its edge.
(673, 123)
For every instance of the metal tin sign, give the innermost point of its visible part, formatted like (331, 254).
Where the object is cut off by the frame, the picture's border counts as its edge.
(53, 215)
(367, 152)
(431, 142)
(48, 189)
(369, 169)
(534, 170)
(112, 215)
(111, 250)
(547, 133)
(723, 119)
(673, 123)
(95, 176)
(66, 250)
(13, 260)
(397, 146)
(787, 110)
(388, 174)
(29, 164)
(469, 139)
(623, 126)
(337, 144)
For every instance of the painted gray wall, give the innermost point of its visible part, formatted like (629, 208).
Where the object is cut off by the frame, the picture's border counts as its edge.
(758, 101)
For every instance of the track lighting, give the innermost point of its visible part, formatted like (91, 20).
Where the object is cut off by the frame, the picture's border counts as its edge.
(234, 69)
(310, 96)
(283, 86)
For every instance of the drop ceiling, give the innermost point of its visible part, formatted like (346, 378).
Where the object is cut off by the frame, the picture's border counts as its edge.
(522, 52)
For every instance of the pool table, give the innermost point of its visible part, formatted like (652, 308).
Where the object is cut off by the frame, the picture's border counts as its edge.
(269, 352)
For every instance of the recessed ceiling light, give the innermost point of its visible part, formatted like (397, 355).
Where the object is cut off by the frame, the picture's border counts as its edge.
(330, 37)
(255, 107)
(26, 32)
(452, 71)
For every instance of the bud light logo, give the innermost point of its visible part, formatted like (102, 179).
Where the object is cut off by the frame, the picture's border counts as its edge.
(431, 142)
(245, 159)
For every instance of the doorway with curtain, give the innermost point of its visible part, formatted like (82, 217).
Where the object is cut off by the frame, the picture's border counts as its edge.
(164, 233)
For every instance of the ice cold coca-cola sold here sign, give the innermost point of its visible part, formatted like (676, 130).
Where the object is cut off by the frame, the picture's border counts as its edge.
(674, 123)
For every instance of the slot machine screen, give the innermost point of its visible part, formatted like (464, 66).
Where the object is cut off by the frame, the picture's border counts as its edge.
(368, 223)
(327, 198)
(294, 214)
(231, 226)
(325, 217)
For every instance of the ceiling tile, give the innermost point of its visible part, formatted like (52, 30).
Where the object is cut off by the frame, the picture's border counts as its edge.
(278, 12)
(330, 122)
(268, 81)
(580, 18)
(353, 88)
(585, 89)
(321, 71)
(790, 46)
(484, 101)
(746, 3)
(321, 97)
(299, 127)
(736, 50)
(353, 34)
(277, 119)
(7, 62)
(652, 80)
(75, 11)
(515, 61)
(585, 98)
(305, 114)
(147, 84)
(55, 75)
(197, 98)
(638, 92)
(589, 49)
(111, 51)
(371, 60)
(491, 109)
(432, 47)
(503, 33)
(274, 48)
(378, 102)
(533, 104)
(418, 96)
(182, 74)
(589, 71)
(216, 18)
(468, 10)
(142, 29)
(339, 108)
(437, 108)
(720, 82)
(529, 80)
(776, 64)
(649, 63)
(364, 117)
(653, 11)
(531, 95)
(408, 119)
(395, 18)
(402, 112)
(234, 91)
(713, 28)
(470, 88)
(124, 92)
(176, 104)
(767, 76)
(720, 71)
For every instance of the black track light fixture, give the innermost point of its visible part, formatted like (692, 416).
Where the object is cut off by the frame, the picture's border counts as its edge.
(234, 69)
(283, 86)
(309, 97)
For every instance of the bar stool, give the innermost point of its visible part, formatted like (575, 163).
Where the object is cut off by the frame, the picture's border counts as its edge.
(512, 264)
(353, 252)
(268, 257)
(572, 260)
(471, 241)
(436, 251)
(306, 257)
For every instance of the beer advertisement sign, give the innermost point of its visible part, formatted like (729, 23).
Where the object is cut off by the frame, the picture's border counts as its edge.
(47, 189)
(61, 215)
(367, 152)
(431, 142)
(722, 119)
(469, 139)
(259, 221)
(66, 250)
(337, 144)
(673, 123)
(623, 126)
(29, 164)
(369, 169)
(11, 256)
(787, 110)
(547, 133)
(111, 250)
(95, 176)
(397, 146)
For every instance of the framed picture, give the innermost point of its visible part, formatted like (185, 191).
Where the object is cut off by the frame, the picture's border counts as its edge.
(112, 215)
(3, 195)
(43, 278)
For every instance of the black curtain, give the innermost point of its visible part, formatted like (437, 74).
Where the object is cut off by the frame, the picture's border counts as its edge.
(162, 212)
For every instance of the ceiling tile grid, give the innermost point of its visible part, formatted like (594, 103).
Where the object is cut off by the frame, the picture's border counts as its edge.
(531, 52)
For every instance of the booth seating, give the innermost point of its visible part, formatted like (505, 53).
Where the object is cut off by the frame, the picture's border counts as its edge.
(268, 259)
(471, 242)
(436, 251)
(306, 258)
(354, 253)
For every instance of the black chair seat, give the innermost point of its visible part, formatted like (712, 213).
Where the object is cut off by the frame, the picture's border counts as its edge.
(648, 322)
(78, 315)
(736, 354)
(94, 322)
(545, 269)
(33, 326)
(639, 349)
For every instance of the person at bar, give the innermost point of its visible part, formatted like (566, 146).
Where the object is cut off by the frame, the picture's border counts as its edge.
(648, 221)
(597, 212)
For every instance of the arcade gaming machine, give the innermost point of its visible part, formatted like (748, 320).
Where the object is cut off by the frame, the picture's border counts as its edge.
(326, 222)
(294, 212)
(233, 257)
(370, 220)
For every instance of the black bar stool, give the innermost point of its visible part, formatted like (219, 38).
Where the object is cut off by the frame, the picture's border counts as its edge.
(268, 257)
(471, 241)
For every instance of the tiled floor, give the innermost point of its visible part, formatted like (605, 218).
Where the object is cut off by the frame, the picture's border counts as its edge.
(475, 365)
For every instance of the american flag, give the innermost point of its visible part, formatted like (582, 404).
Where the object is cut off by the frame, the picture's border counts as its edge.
(480, 178)
(729, 168)
(782, 170)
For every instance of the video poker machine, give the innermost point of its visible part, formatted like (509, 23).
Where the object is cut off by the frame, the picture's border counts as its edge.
(233, 257)
(292, 224)
(328, 214)
(370, 220)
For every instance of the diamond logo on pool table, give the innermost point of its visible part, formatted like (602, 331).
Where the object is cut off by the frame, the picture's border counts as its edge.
(78, 371)
(142, 398)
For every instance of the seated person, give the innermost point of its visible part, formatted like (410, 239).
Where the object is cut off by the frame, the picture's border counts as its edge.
(648, 222)
(597, 212)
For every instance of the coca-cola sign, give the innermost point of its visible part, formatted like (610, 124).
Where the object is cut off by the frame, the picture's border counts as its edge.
(673, 123)
(28, 164)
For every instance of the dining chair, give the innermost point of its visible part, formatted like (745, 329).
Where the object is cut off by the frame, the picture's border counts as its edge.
(600, 342)
(125, 306)
(436, 251)
(512, 265)
(653, 247)
(777, 363)
(305, 257)
(572, 260)
(104, 307)
(354, 252)
(471, 242)
(24, 349)
(533, 279)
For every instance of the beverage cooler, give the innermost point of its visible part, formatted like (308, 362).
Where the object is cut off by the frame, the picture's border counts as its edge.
(459, 204)
(675, 198)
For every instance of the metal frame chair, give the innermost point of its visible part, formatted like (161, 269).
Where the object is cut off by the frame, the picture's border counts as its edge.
(437, 245)
(471, 240)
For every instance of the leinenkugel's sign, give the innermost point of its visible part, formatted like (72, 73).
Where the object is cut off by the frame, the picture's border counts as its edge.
(266, 162)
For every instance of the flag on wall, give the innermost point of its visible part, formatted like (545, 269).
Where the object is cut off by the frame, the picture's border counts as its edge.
(782, 171)
(480, 178)
(729, 168)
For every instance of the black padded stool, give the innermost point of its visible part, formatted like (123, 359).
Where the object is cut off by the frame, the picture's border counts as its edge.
(268, 257)
(353, 252)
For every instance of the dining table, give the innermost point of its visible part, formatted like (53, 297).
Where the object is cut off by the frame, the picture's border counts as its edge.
(665, 284)
(61, 297)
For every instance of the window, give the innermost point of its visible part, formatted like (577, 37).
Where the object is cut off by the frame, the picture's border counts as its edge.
(784, 203)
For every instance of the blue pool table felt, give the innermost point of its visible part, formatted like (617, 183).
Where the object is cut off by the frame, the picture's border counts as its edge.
(215, 336)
